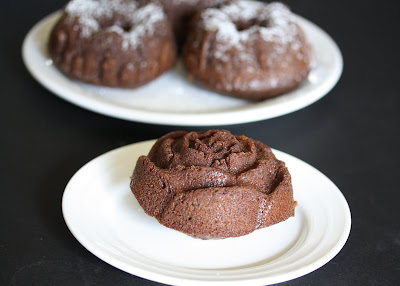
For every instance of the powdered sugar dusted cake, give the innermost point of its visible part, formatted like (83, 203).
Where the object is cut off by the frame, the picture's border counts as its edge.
(114, 43)
(213, 184)
(247, 49)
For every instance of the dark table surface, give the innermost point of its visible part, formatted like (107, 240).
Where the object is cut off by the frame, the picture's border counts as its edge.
(351, 135)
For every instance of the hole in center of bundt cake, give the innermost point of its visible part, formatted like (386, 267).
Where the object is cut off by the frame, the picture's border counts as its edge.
(244, 25)
(126, 27)
(116, 21)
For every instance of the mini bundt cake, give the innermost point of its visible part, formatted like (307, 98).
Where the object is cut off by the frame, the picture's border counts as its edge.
(247, 49)
(213, 184)
(119, 43)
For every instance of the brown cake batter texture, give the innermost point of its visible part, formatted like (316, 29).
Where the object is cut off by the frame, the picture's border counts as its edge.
(213, 184)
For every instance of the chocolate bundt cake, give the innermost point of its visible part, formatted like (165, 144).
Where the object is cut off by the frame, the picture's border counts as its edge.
(247, 49)
(119, 43)
(213, 184)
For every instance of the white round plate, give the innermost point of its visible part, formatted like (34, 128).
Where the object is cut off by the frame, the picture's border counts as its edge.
(105, 217)
(171, 99)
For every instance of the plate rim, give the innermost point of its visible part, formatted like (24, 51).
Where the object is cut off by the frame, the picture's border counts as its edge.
(237, 115)
(160, 276)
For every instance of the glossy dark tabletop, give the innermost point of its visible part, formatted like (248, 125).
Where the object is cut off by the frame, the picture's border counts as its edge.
(352, 135)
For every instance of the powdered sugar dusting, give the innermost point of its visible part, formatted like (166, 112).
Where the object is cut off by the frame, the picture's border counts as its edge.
(184, 1)
(280, 27)
(191, 2)
(143, 22)
(89, 12)
(140, 20)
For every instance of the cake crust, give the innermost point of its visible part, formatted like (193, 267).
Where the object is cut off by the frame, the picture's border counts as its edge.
(247, 49)
(213, 184)
(119, 43)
